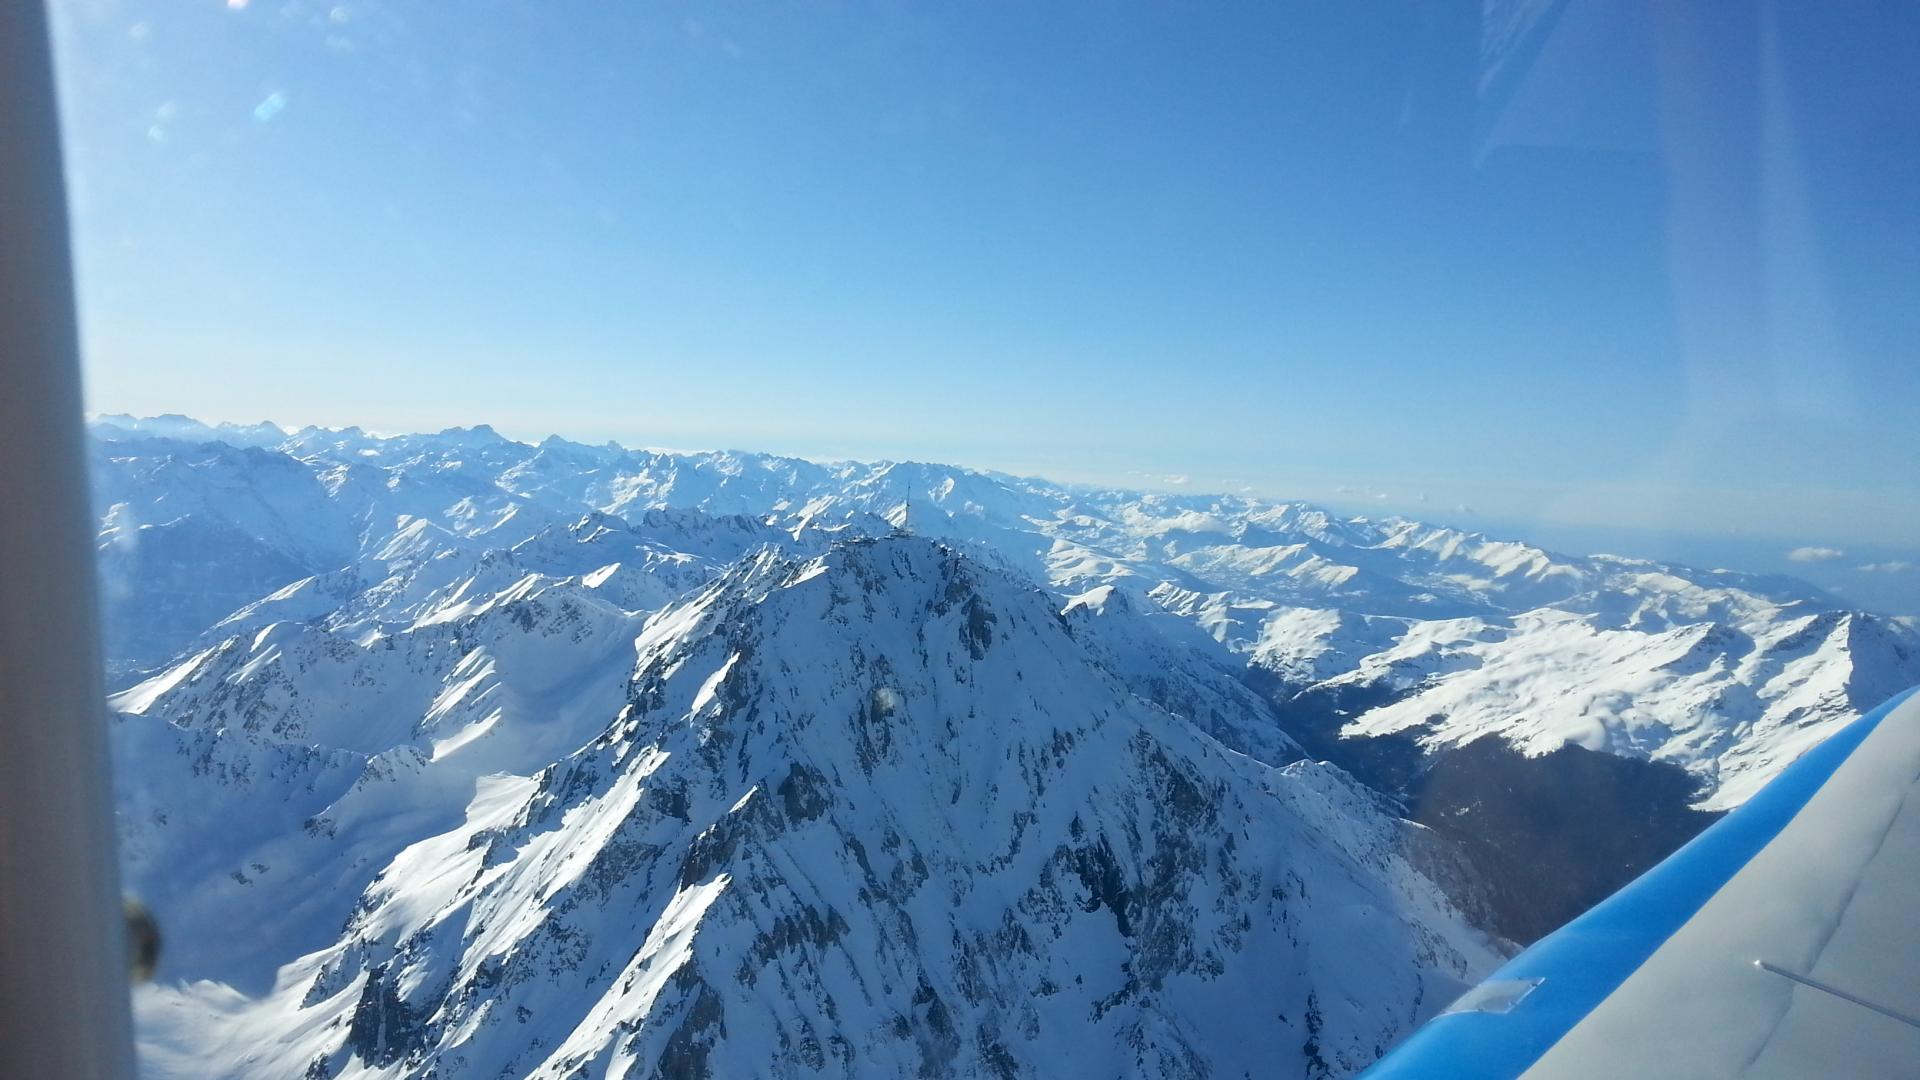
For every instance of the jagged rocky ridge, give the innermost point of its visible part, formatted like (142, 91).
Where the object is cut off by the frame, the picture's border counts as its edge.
(878, 811)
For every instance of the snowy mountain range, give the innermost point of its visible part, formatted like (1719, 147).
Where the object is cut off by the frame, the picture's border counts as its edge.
(567, 760)
(1457, 635)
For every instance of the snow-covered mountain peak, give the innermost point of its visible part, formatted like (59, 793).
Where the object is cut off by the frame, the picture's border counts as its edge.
(477, 435)
(873, 810)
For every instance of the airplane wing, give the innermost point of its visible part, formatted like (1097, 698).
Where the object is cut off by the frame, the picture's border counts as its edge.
(1782, 942)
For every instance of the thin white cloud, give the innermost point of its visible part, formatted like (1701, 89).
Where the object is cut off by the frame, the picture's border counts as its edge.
(1891, 566)
(1815, 554)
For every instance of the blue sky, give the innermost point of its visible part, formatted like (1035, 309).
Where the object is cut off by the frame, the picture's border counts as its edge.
(1617, 270)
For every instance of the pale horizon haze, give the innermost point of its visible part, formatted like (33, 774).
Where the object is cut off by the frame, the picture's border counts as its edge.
(1597, 276)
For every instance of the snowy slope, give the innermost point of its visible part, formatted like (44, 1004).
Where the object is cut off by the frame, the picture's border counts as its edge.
(260, 776)
(1733, 703)
(880, 811)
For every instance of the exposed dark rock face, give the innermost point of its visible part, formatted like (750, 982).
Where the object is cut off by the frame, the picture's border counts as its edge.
(383, 1029)
(1547, 837)
(1556, 834)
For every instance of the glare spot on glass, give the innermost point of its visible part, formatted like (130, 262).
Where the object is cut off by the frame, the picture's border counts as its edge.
(162, 115)
(269, 107)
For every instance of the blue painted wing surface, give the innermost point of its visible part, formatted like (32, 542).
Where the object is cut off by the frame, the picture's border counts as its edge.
(1783, 942)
